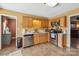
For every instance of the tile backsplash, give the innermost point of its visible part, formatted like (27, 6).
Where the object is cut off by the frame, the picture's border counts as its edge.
(33, 29)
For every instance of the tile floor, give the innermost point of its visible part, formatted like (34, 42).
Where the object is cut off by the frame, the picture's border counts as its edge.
(49, 49)
(46, 49)
(6, 49)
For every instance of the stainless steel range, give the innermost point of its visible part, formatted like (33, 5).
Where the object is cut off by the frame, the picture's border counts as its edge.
(54, 36)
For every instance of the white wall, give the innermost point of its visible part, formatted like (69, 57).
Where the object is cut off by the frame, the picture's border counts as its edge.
(68, 33)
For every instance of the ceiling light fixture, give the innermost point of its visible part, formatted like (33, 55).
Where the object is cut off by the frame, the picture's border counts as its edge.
(51, 4)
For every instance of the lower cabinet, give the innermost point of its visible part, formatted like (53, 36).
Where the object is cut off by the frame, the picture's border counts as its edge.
(41, 38)
(61, 40)
(36, 38)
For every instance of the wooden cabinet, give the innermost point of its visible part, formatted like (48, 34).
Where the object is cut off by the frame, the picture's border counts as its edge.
(36, 38)
(44, 23)
(27, 22)
(41, 38)
(36, 23)
(61, 40)
(63, 22)
(64, 41)
(40, 23)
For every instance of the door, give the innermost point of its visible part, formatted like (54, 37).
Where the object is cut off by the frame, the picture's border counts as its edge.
(7, 36)
(74, 22)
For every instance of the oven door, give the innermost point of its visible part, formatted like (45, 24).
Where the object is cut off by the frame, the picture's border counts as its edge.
(53, 35)
(53, 39)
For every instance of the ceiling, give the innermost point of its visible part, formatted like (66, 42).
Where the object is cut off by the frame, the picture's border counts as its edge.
(40, 9)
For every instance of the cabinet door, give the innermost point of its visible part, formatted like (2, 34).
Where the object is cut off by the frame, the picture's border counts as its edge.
(63, 22)
(60, 40)
(43, 37)
(44, 23)
(64, 41)
(27, 22)
(30, 21)
(36, 38)
(36, 23)
(46, 37)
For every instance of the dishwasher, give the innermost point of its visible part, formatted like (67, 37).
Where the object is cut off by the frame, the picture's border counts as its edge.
(28, 40)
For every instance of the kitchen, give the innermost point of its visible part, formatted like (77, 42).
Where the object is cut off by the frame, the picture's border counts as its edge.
(34, 30)
(37, 30)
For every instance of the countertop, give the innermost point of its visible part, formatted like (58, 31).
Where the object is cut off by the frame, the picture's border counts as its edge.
(29, 33)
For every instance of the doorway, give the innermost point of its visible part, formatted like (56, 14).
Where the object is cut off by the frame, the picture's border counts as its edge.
(8, 32)
(74, 23)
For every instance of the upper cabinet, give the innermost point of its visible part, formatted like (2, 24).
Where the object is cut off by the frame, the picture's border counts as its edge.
(44, 23)
(34, 22)
(27, 22)
(63, 22)
(60, 21)
(40, 23)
